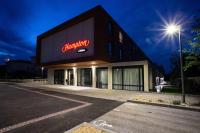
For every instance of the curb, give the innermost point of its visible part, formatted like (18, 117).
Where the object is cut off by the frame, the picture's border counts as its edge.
(165, 105)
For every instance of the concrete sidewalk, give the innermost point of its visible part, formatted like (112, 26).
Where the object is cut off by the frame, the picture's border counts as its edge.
(139, 118)
(118, 95)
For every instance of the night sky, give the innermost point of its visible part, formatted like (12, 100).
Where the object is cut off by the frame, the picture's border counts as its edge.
(22, 20)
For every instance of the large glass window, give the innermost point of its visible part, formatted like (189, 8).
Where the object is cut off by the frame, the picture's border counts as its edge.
(117, 78)
(102, 77)
(131, 79)
(59, 76)
(128, 78)
(84, 77)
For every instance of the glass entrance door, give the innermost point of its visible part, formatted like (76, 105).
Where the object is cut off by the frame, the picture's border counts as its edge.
(70, 77)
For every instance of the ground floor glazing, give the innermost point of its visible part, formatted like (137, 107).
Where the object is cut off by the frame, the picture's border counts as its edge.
(136, 76)
(123, 78)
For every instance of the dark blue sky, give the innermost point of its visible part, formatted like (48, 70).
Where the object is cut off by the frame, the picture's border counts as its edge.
(22, 20)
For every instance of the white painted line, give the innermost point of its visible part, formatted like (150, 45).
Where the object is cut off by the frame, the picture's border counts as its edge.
(116, 110)
(15, 126)
(50, 95)
(6, 129)
(102, 123)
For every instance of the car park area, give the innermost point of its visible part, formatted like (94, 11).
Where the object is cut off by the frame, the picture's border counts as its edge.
(25, 109)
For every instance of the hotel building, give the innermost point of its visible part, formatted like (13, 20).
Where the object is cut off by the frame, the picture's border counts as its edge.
(93, 50)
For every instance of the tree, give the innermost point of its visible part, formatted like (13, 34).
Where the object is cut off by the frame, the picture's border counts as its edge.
(192, 52)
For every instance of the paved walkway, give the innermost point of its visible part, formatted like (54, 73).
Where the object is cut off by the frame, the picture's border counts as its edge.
(139, 118)
(119, 95)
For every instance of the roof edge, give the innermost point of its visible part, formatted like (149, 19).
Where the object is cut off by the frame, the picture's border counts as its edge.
(60, 26)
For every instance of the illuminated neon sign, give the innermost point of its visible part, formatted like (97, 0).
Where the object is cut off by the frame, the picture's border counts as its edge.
(74, 45)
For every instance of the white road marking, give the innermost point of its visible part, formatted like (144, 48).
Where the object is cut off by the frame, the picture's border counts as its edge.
(50, 95)
(116, 110)
(131, 104)
(102, 123)
(15, 126)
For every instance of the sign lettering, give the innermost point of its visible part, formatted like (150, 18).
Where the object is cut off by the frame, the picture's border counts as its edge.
(74, 45)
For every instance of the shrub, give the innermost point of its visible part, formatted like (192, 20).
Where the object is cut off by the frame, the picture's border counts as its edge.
(161, 101)
(176, 102)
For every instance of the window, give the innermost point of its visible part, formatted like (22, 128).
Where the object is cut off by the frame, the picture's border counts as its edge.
(130, 51)
(109, 49)
(120, 53)
(131, 80)
(120, 37)
(110, 28)
(128, 78)
(117, 78)
(59, 76)
(84, 77)
(102, 77)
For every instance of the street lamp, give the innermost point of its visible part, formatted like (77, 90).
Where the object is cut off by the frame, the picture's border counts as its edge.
(42, 71)
(7, 60)
(170, 30)
(6, 69)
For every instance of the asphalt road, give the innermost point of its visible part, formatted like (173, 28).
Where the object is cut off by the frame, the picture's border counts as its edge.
(139, 118)
(24, 109)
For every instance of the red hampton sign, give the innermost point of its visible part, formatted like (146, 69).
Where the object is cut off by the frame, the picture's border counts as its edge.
(74, 45)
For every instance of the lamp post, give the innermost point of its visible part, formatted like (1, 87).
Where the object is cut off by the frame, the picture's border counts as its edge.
(172, 29)
(6, 71)
(42, 71)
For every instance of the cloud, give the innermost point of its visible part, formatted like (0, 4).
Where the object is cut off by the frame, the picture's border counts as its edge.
(6, 54)
(10, 40)
(13, 12)
(12, 16)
